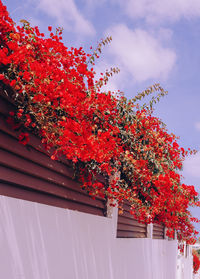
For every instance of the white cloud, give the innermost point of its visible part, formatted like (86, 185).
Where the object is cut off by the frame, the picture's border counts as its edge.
(197, 126)
(67, 15)
(157, 10)
(191, 165)
(140, 54)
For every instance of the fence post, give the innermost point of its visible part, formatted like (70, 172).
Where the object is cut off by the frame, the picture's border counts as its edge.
(150, 230)
(112, 211)
(165, 233)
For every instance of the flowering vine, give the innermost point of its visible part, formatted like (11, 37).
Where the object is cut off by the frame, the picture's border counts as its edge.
(196, 261)
(57, 98)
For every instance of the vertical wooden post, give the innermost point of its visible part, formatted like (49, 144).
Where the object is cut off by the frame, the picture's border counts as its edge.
(112, 211)
(165, 233)
(150, 230)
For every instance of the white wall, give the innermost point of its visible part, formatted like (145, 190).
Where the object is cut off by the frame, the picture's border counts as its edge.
(185, 263)
(44, 242)
(185, 267)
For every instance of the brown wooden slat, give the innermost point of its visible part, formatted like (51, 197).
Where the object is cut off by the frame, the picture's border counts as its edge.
(33, 162)
(158, 227)
(6, 128)
(7, 92)
(158, 236)
(34, 145)
(132, 222)
(158, 231)
(28, 167)
(124, 227)
(161, 226)
(128, 226)
(5, 105)
(33, 140)
(11, 144)
(125, 234)
(41, 197)
(21, 179)
(127, 214)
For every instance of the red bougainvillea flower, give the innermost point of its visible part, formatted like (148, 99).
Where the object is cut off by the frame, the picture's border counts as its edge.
(24, 138)
(196, 262)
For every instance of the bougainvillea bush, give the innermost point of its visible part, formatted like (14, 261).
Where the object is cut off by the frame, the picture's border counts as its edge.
(58, 99)
(196, 261)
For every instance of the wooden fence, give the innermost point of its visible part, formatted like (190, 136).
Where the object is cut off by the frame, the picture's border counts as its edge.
(27, 172)
(158, 231)
(128, 226)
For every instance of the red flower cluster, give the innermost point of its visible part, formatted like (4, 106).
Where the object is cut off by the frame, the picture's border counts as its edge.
(196, 262)
(100, 133)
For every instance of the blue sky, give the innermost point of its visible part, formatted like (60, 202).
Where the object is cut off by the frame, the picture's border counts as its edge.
(153, 41)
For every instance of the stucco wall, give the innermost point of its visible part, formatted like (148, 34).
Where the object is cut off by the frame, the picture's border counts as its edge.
(185, 267)
(43, 242)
